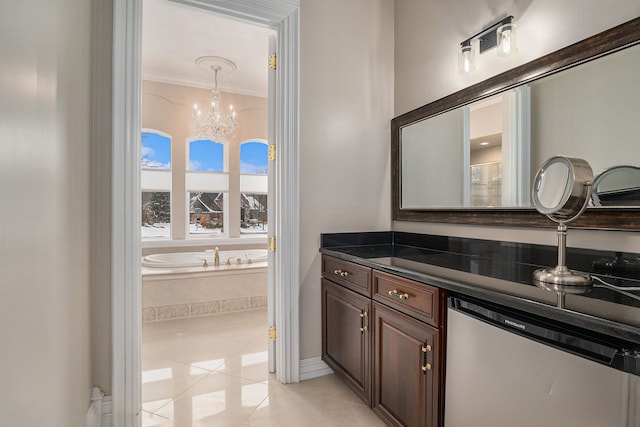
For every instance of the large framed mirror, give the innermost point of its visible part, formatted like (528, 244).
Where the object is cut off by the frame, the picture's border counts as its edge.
(468, 158)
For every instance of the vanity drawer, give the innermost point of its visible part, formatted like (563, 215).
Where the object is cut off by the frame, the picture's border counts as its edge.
(413, 298)
(350, 275)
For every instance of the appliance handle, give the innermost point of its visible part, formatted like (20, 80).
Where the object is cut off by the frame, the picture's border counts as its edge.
(528, 327)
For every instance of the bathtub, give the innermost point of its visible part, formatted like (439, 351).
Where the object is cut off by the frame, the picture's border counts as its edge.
(198, 259)
(179, 285)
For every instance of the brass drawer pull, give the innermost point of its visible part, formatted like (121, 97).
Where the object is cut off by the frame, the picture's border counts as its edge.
(341, 273)
(395, 293)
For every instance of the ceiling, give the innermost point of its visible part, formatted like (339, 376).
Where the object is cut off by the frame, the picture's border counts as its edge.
(175, 35)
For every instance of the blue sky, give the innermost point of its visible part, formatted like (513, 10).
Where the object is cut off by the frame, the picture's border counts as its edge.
(253, 157)
(204, 155)
(156, 151)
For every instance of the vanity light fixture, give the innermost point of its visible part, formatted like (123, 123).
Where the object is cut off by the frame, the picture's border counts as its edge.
(502, 35)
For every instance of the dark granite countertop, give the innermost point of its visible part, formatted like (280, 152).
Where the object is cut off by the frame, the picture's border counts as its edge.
(502, 273)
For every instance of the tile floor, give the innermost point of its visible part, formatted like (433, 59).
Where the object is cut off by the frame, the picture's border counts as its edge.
(212, 371)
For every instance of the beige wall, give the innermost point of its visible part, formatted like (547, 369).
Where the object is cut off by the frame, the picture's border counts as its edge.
(427, 35)
(45, 129)
(486, 155)
(101, 163)
(346, 102)
(439, 185)
(600, 124)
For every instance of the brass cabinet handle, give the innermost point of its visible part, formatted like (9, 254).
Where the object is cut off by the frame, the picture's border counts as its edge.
(425, 366)
(363, 326)
(399, 294)
(341, 273)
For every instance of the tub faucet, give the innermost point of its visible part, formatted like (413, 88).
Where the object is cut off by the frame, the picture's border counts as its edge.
(216, 256)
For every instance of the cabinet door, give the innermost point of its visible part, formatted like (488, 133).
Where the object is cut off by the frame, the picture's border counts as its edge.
(406, 369)
(346, 339)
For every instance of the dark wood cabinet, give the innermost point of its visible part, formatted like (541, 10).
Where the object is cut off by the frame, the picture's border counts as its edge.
(384, 335)
(346, 336)
(406, 369)
(351, 276)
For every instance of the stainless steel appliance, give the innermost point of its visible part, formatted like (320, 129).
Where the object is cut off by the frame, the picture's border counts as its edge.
(506, 368)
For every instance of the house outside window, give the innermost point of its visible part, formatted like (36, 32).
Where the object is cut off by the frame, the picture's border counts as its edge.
(253, 186)
(155, 179)
(207, 186)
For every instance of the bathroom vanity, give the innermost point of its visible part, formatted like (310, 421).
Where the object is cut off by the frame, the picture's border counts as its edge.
(382, 333)
(384, 314)
(433, 330)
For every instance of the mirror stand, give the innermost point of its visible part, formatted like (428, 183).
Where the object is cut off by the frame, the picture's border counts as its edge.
(561, 279)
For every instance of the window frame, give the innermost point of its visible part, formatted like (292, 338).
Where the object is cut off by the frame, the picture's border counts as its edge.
(159, 189)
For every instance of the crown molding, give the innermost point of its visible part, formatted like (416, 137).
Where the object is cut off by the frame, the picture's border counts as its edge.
(201, 84)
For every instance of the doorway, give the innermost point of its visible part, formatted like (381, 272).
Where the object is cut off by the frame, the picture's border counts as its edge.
(205, 185)
(282, 16)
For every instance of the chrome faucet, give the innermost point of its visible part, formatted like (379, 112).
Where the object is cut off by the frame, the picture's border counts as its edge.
(216, 256)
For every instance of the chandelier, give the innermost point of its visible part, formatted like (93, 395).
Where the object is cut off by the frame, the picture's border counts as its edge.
(212, 122)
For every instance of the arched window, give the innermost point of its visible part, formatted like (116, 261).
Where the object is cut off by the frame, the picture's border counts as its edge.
(206, 156)
(155, 180)
(253, 186)
(207, 185)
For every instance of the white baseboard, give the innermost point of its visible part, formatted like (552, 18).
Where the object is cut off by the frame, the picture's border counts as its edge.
(99, 412)
(107, 414)
(313, 367)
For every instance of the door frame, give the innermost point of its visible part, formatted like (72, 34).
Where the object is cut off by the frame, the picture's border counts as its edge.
(126, 286)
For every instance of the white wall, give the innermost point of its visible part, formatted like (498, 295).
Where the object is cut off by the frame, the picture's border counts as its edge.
(346, 103)
(427, 35)
(45, 90)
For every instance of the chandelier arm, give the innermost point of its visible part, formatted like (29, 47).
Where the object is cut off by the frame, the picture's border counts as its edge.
(214, 123)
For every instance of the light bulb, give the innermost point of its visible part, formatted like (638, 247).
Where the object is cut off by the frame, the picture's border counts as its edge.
(505, 44)
(466, 60)
(506, 36)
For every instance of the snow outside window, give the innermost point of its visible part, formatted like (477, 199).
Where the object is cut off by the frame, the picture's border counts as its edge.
(155, 180)
(207, 184)
(253, 187)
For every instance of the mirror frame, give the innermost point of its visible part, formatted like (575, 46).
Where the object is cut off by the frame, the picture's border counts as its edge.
(610, 41)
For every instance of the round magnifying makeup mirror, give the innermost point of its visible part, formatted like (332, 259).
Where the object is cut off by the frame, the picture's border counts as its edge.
(561, 191)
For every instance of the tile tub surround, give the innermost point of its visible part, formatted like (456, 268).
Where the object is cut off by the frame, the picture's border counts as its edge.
(500, 272)
(172, 294)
